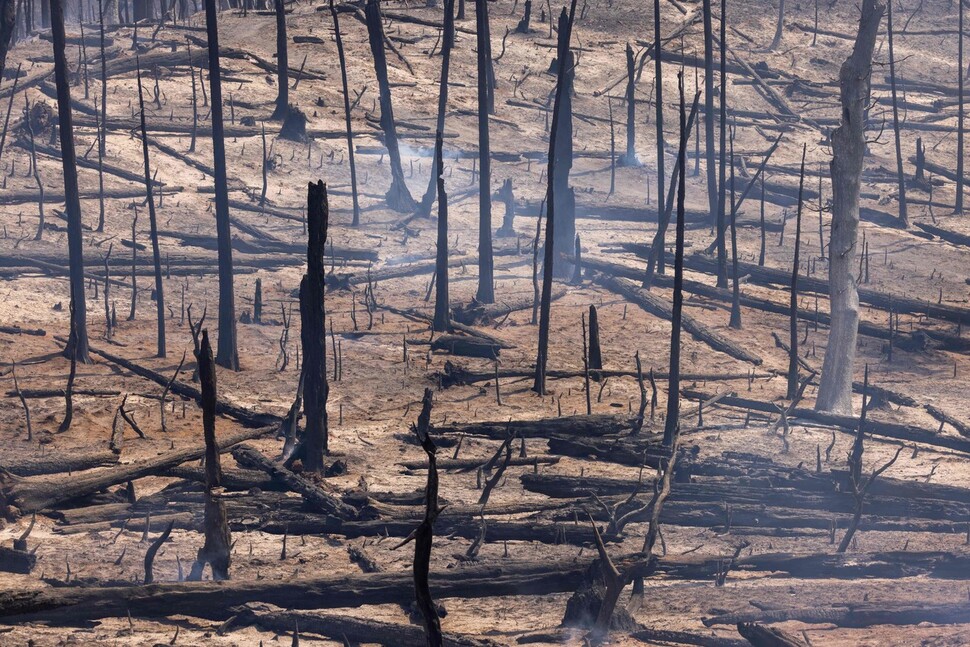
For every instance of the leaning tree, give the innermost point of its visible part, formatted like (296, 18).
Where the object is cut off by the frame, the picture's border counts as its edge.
(848, 152)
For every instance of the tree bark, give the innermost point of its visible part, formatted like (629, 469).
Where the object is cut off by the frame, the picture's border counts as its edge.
(227, 354)
(793, 307)
(721, 225)
(216, 551)
(8, 24)
(78, 342)
(350, 132)
(848, 149)
(282, 64)
(442, 310)
(903, 216)
(486, 272)
(709, 110)
(563, 195)
(539, 385)
(398, 196)
(672, 422)
(447, 44)
(313, 331)
(153, 224)
(630, 158)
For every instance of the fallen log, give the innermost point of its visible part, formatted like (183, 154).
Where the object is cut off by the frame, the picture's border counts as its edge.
(579, 426)
(17, 330)
(252, 459)
(344, 628)
(854, 615)
(478, 314)
(223, 407)
(60, 462)
(13, 560)
(662, 308)
(32, 494)
(879, 428)
(216, 600)
(466, 346)
(472, 463)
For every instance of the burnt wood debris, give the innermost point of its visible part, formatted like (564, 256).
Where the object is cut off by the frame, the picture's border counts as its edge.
(701, 383)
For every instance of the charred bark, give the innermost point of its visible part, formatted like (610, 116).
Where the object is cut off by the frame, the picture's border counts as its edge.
(901, 177)
(227, 354)
(398, 196)
(153, 225)
(78, 342)
(848, 148)
(350, 133)
(486, 266)
(282, 64)
(793, 307)
(313, 331)
(539, 385)
(447, 44)
(442, 313)
(563, 198)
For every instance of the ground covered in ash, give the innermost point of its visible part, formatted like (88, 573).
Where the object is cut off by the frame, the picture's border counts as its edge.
(387, 360)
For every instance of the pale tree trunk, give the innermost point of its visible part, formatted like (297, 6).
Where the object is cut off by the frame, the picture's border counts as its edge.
(848, 151)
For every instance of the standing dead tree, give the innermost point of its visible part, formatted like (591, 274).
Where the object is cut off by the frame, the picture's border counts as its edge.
(486, 271)
(563, 195)
(313, 331)
(672, 422)
(282, 64)
(217, 547)
(721, 216)
(779, 26)
(630, 157)
(900, 176)
(227, 354)
(848, 151)
(793, 302)
(961, 112)
(735, 321)
(102, 125)
(8, 24)
(28, 122)
(447, 44)
(423, 535)
(860, 486)
(77, 346)
(659, 102)
(69, 389)
(442, 314)
(398, 196)
(153, 224)
(709, 109)
(542, 353)
(350, 132)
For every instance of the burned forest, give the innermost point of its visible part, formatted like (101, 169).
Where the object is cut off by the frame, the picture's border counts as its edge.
(484, 322)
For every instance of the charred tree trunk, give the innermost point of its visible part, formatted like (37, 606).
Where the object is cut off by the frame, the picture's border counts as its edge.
(424, 533)
(523, 26)
(595, 353)
(8, 24)
(282, 64)
(901, 177)
(486, 274)
(848, 149)
(313, 332)
(102, 125)
(216, 549)
(153, 224)
(672, 422)
(398, 196)
(6, 119)
(960, 114)
(735, 321)
(721, 226)
(507, 196)
(447, 44)
(227, 353)
(779, 27)
(350, 132)
(709, 110)
(793, 316)
(539, 385)
(442, 314)
(563, 195)
(78, 341)
(195, 103)
(630, 158)
(659, 102)
(258, 302)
